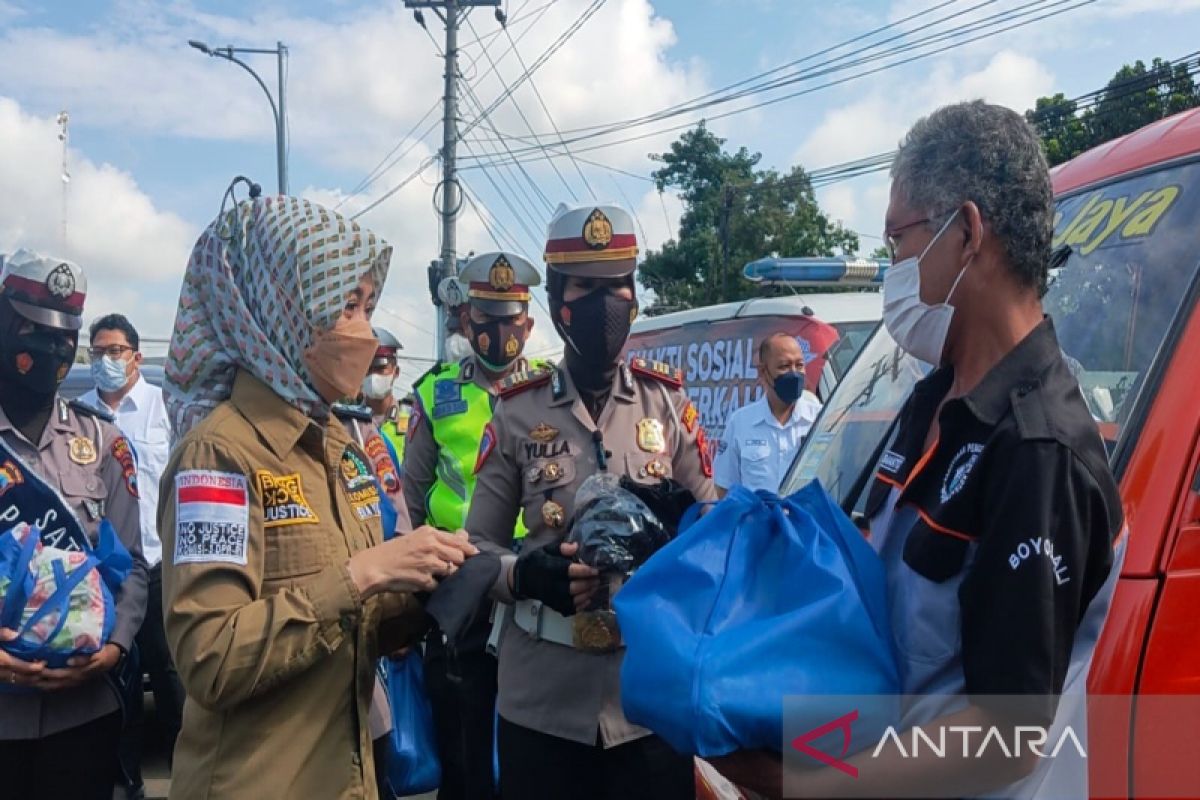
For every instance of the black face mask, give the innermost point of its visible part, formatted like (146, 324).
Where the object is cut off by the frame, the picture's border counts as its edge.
(38, 360)
(497, 343)
(596, 327)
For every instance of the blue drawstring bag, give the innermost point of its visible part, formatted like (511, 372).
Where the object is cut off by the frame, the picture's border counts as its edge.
(413, 766)
(45, 619)
(762, 598)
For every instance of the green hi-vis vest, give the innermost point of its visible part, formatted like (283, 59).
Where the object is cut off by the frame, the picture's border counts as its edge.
(391, 431)
(457, 414)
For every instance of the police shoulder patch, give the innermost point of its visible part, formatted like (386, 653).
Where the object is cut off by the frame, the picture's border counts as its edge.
(657, 370)
(520, 381)
(487, 443)
(122, 451)
(689, 417)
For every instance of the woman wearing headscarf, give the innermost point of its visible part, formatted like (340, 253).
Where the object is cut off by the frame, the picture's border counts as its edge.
(280, 592)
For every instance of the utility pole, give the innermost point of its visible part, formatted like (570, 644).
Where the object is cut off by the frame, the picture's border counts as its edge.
(64, 136)
(452, 13)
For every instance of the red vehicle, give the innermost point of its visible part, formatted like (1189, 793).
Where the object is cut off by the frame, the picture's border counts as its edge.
(1125, 305)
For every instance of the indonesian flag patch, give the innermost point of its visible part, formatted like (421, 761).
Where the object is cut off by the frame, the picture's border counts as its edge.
(212, 517)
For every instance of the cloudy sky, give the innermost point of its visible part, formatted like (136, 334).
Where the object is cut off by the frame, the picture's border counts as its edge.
(157, 129)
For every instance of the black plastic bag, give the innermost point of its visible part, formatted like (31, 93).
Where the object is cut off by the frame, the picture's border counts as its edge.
(616, 531)
(667, 499)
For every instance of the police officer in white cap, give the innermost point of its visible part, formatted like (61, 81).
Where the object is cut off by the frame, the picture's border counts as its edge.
(562, 733)
(59, 728)
(454, 405)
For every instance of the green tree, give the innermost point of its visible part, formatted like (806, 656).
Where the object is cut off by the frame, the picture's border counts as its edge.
(1134, 97)
(1063, 133)
(733, 213)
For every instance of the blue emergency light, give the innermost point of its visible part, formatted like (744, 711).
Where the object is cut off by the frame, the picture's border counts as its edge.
(817, 272)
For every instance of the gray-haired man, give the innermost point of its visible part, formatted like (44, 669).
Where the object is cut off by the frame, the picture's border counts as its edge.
(994, 509)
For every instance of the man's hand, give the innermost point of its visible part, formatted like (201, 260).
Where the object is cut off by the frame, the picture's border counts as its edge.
(548, 574)
(14, 671)
(80, 670)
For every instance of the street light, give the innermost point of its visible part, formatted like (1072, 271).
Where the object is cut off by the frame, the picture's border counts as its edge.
(278, 112)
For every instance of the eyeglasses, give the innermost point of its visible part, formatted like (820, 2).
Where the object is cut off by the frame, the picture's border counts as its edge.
(889, 236)
(112, 351)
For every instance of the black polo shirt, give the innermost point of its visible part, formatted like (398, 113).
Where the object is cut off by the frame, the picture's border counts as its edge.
(1019, 473)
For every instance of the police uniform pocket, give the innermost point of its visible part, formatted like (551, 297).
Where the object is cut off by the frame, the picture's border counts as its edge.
(85, 492)
(647, 468)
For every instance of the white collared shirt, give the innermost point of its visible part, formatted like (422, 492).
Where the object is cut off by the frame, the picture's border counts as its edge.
(756, 450)
(142, 417)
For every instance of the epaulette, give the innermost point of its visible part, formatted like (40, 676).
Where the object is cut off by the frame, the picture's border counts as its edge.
(347, 411)
(91, 411)
(520, 381)
(657, 370)
(435, 370)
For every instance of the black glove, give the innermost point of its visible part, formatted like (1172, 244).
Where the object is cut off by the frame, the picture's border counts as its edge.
(541, 574)
(668, 499)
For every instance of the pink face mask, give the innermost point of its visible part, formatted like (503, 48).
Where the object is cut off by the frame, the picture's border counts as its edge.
(339, 358)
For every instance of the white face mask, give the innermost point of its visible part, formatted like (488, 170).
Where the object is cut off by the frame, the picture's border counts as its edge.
(457, 348)
(109, 374)
(919, 329)
(377, 386)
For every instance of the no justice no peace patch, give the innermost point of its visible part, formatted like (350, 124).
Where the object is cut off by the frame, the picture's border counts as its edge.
(212, 517)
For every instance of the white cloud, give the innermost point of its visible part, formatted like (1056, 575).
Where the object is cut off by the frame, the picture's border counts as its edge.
(356, 80)
(875, 123)
(132, 253)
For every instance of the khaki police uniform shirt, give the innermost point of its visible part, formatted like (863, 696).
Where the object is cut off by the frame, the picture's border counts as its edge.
(104, 488)
(261, 509)
(421, 449)
(544, 449)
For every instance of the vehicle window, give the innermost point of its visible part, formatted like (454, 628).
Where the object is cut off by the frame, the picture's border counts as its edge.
(851, 338)
(844, 440)
(1133, 257)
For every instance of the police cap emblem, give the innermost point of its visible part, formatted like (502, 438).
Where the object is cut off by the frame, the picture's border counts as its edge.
(597, 230)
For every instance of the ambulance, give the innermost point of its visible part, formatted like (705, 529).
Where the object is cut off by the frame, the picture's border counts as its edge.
(716, 347)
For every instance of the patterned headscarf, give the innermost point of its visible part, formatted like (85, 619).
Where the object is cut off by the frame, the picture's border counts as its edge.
(261, 278)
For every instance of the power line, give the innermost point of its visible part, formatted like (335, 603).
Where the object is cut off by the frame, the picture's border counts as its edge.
(471, 97)
(486, 220)
(378, 201)
(379, 170)
(504, 198)
(558, 43)
(550, 118)
(517, 106)
(696, 104)
(466, 193)
(1025, 19)
(1092, 100)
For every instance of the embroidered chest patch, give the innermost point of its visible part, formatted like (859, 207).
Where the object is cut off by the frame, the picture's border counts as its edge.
(360, 485)
(283, 500)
